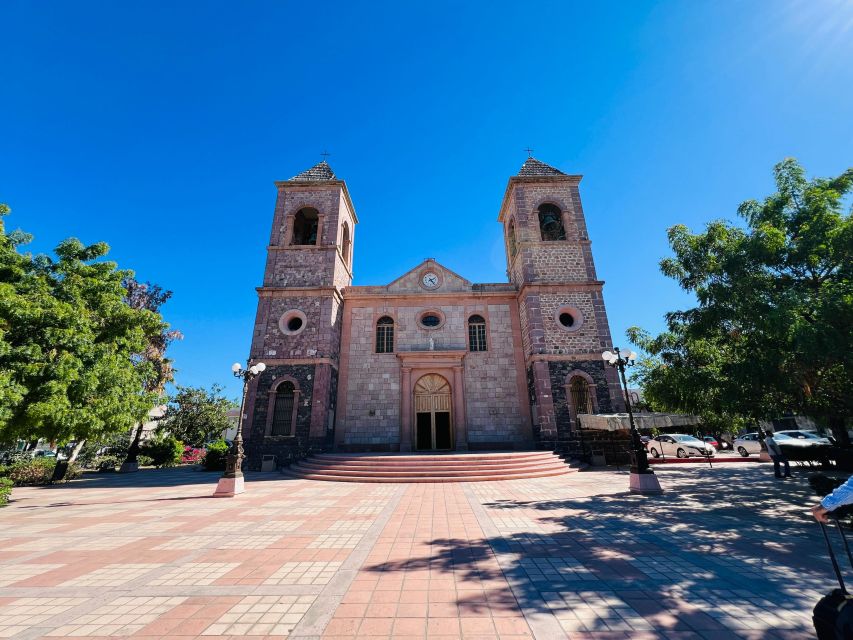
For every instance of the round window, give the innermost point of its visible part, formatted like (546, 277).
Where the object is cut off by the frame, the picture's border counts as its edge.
(430, 320)
(292, 322)
(568, 318)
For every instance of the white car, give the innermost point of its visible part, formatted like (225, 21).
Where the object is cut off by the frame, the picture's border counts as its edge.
(750, 443)
(747, 444)
(679, 445)
(800, 438)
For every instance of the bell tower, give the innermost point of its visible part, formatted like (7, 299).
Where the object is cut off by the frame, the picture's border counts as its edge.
(297, 331)
(563, 320)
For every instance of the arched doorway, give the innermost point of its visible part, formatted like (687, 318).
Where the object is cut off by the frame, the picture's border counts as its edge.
(433, 423)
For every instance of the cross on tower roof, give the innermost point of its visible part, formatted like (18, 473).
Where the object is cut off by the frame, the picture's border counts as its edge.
(529, 152)
(325, 155)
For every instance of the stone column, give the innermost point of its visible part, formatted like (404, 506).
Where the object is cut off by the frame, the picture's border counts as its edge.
(459, 402)
(406, 409)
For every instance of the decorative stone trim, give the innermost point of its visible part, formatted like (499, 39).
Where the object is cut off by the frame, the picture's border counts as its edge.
(574, 320)
(271, 407)
(288, 322)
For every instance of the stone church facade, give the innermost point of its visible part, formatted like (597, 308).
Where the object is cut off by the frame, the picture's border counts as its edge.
(431, 361)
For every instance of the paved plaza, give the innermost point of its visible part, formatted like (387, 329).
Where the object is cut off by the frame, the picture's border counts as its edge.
(727, 552)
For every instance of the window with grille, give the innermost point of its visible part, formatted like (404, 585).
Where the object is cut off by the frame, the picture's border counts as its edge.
(581, 398)
(282, 420)
(477, 333)
(385, 335)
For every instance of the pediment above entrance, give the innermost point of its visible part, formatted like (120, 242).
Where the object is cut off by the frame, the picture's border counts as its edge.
(426, 359)
(429, 277)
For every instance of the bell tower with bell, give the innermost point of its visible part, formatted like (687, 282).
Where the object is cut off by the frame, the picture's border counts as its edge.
(563, 320)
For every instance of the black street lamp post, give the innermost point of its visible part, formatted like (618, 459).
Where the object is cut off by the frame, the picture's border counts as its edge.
(231, 483)
(643, 479)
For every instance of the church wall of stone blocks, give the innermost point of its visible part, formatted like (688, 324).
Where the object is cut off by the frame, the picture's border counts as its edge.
(431, 361)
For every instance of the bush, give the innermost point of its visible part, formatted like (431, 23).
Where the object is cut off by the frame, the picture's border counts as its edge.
(192, 455)
(164, 451)
(5, 490)
(32, 472)
(111, 445)
(214, 457)
(5, 470)
(145, 461)
(106, 463)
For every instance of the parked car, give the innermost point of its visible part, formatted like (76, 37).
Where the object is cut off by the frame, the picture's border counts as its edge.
(800, 439)
(711, 440)
(747, 444)
(680, 445)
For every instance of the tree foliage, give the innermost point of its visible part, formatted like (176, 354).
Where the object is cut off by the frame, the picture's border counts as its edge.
(151, 297)
(771, 332)
(195, 414)
(71, 347)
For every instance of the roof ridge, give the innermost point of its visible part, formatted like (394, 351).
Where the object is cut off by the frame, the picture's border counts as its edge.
(319, 172)
(534, 167)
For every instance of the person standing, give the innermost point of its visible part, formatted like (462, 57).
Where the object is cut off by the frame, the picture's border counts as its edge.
(842, 495)
(777, 456)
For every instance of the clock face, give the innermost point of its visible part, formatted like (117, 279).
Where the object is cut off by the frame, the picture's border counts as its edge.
(430, 280)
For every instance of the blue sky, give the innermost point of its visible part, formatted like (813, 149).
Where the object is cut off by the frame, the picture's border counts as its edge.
(159, 127)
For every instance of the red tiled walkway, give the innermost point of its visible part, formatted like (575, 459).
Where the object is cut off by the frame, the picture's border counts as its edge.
(428, 575)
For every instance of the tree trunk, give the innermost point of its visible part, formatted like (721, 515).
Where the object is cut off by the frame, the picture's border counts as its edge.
(76, 451)
(133, 451)
(839, 430)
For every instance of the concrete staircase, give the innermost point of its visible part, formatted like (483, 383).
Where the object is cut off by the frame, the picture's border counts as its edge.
(443, 467)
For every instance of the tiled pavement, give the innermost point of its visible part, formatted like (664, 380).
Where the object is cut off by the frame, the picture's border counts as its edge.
(724, 553)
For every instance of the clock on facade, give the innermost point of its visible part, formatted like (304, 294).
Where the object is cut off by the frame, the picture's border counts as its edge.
(430, 280)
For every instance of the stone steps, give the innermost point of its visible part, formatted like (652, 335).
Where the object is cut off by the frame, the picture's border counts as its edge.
(455, 467)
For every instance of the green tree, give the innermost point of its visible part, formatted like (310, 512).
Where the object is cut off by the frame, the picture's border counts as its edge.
(771, 332)
(151, 297)
(195, 414)
(70, 345)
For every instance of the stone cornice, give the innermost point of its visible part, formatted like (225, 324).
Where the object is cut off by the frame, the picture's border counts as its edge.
(565, 357)
(418, 359)
(574, 179)
(270, 292)
(560, 287)
(273, 361)
(315, 185)
(426, 299)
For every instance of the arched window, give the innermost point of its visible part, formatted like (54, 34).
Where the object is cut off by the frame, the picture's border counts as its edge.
(581, 397)
(284, 414)
(551, 222)
(305, 226)
(345, 243)
(385, 335)
(513, 247)
(477, 333)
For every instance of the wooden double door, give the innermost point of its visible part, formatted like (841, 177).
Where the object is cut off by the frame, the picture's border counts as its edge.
(433, 414)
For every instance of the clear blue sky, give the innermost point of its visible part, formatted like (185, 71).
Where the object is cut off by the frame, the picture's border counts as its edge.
(159, 128)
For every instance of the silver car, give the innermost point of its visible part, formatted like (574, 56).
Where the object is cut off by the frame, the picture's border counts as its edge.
(747, 444)
(680, 445)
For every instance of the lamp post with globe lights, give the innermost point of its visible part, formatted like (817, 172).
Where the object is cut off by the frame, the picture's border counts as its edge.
(231, 483)
(643, 479)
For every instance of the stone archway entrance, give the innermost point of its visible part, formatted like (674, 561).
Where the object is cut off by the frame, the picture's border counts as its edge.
(433, 415)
